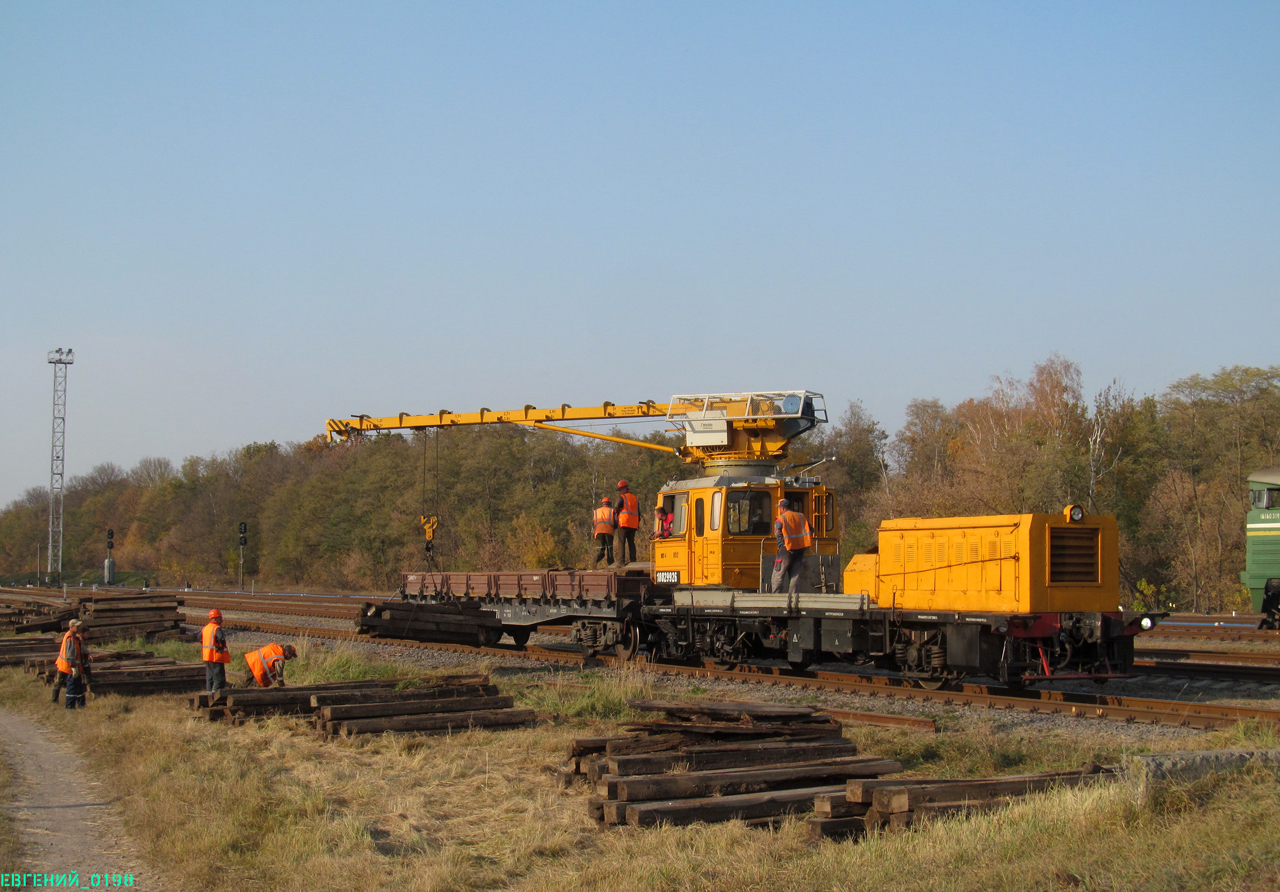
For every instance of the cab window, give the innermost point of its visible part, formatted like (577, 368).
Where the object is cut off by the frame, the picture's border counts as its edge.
(699, 517)
(717, 500)
(749, 513)
(677, 506)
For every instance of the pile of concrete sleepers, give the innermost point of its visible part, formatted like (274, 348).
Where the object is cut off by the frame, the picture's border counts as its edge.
(717, 761)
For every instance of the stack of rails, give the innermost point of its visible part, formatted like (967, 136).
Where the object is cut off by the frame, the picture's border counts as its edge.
(107, 616)
(344, 709)
(454, 622)
(718, 761)
(899, 803)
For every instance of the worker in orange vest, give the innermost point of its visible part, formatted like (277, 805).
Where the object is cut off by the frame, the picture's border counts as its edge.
(73, 667)
(266, 664)
(213, 644)
(603, 522)
(628, 509)
(794, 539)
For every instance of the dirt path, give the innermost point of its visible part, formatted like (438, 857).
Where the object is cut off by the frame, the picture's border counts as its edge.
(66, 822)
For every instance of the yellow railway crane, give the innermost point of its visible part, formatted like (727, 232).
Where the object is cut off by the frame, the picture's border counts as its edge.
(723, 521)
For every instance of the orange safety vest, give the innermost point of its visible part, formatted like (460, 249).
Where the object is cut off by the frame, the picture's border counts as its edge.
(266, 664)
(629, 513)
(71, 654)
(795, 531)
(603, 520)
(211, 653)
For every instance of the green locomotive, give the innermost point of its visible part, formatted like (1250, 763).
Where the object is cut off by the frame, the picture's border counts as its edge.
(1262, 546)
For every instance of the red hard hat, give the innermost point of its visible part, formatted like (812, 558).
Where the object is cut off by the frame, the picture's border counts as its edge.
(604, 501)
(215, 613)
(622, 483)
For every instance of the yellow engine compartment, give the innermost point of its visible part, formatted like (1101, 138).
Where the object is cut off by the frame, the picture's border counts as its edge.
(1015, 563)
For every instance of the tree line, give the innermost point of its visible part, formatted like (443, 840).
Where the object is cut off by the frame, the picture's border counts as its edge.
(1171, 467)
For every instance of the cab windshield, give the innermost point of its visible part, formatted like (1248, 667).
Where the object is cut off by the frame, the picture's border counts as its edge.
(749, 513)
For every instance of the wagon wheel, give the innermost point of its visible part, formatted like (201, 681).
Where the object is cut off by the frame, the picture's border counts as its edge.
(931, 684)
(490, 637)
(626, 648)
(520, 635)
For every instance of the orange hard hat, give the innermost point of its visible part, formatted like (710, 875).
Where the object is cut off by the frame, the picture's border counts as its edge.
(215, 613)
(622, 483)
(604, 501)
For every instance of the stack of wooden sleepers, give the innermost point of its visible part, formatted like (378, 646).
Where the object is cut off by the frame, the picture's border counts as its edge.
(107, 616)
(453, 622)
(112, 617)
(20, 606)
(128, 672)
(718, 761)
(342, 709)
(45, 667)
(899, 803)
(15, 651)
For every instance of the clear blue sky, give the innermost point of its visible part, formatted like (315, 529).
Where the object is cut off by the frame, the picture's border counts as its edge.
(247, 218)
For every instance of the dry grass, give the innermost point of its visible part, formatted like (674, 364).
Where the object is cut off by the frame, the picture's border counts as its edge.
(270, 804)
(10, 844)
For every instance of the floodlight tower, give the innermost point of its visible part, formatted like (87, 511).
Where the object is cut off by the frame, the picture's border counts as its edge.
(59, 359)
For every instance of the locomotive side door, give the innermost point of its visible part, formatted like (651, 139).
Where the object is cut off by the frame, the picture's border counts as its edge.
(699, 550)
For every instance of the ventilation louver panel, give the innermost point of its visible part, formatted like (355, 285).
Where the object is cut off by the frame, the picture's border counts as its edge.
(1073, 554)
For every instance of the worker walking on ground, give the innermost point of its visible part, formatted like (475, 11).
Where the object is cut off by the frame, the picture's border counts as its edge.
(603, 522)
(794, 539)
(628, 510)
(213, 643)
(73, 667)
(266, 665)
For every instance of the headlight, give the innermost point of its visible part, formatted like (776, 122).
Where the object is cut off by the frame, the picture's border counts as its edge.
(1077, 514)
(1147, 624)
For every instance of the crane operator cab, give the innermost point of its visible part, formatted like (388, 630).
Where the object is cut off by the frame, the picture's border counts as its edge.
(722, 544)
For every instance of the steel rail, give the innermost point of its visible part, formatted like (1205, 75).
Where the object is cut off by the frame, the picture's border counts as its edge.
(1174, 713)
(1213, 633)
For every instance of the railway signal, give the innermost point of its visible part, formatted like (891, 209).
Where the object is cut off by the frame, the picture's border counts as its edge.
(244, 540)
(109, 565)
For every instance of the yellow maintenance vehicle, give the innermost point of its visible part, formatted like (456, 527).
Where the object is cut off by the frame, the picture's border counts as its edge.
(1020, 598)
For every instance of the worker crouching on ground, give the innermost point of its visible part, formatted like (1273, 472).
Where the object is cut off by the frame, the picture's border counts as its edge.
(794, 539)
(266, 665)
(602, 525)
(628, 510)
(213, 644)
(73, 667)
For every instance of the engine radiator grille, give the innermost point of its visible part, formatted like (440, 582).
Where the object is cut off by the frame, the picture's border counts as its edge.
(1073, 554)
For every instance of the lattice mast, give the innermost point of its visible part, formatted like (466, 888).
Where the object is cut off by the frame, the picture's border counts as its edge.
(59, 359)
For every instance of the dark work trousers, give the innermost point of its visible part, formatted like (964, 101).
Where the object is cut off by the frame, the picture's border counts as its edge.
(604, 541)
(787, 568)
(60, 682)
(627, 536)
(75, 692)
(215, 677)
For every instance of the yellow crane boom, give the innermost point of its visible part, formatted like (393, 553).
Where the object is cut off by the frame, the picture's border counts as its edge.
(720, 428)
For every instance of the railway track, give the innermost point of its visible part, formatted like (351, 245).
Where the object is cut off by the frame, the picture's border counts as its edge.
(1175, 713)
